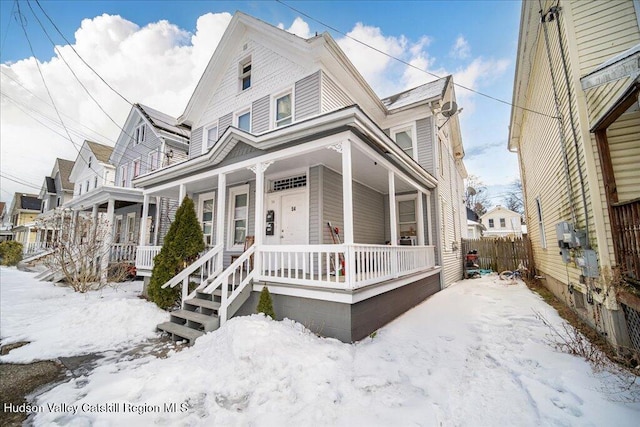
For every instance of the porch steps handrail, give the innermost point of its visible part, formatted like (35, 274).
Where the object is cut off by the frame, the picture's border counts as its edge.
(202, 260)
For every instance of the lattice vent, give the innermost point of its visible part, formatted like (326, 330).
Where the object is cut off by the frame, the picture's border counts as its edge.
(633, 325)
(289, 183)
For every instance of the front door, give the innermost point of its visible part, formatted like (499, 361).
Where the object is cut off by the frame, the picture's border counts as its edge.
(294, 218)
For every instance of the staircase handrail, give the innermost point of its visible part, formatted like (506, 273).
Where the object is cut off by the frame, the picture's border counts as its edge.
(194, 266)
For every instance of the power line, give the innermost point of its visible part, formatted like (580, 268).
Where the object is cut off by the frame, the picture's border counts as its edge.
(411, 65)
(6, 33)
(19, 182)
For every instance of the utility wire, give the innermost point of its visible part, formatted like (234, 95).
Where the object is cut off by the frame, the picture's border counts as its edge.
(409, 64)
(6, 33)
(20, 182)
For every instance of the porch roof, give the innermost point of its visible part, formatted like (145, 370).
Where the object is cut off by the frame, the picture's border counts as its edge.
(102, 195)
(350, 119)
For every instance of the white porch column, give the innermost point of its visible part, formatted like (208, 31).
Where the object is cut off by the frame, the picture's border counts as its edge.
(420, 213)
(220, 208)
(106, 244)
(429, 220)
(393, 220)
(94, 221)
(183, 192)
(143, 220)
(347, 193)
(259, 220)
(157, 223)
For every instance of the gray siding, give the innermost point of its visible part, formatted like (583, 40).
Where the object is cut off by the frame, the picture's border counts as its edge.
(260, 115)
(168, 208)
(224, 122)
(425, 145)
(195, 144)
(333, 98)
(138, 151)
(331, 203)
(315, 205)
(240, 152)
(307, 97)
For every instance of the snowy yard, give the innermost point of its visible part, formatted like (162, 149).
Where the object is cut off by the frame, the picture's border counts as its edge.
(474, 354)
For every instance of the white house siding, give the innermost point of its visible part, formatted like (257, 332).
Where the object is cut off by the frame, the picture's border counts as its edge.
(624, 144)
(270, 74)
(307, 97)
(424, 138)
(135, 151)
(260, 115)
(85, 173)
(333, 97)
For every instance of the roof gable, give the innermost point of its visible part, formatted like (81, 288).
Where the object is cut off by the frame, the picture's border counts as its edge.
(500, 210)
(100, 151)
(64, 168)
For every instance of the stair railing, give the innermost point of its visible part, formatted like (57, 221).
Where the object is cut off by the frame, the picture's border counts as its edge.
(210, 264)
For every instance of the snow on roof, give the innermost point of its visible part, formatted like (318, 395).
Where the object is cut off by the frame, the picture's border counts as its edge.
(426, 91)
(164, 121)
(101, 151)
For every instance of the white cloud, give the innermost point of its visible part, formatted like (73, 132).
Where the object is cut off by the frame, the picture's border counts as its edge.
(461, 48)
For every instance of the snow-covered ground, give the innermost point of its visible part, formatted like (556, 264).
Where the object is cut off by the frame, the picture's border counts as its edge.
(472, 355)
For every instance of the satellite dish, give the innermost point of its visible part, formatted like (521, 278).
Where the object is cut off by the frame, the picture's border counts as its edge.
(449, 109)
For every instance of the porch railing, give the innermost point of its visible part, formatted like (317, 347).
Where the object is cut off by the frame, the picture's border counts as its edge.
(123, 252)
(36, 247)
(207, 267)
(145, 256)
(626, 238)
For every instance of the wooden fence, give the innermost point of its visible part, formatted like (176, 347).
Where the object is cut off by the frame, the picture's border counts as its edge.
(502, 253)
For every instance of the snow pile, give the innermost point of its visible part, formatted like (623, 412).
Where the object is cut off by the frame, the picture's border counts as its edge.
(59, 322)
(473, 354)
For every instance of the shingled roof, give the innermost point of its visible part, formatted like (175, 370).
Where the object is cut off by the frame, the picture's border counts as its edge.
(424, 92)
(164, 121)
(65, 166)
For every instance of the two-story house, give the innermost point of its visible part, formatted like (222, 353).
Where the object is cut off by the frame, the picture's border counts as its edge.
(501, 222)
(23, 212)
(347, 206)
(576, 128)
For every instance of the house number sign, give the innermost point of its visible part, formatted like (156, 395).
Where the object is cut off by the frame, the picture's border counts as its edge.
(293, 208)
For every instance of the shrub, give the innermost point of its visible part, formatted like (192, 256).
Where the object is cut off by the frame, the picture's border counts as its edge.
(182, 245)
(10, 252)
(265, 305)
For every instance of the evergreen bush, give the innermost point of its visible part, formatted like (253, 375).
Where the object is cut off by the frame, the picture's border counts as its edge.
(10, 252)
(182, 245)
(265, 305)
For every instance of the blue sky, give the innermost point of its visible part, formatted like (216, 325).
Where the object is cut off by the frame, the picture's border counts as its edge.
(474, 40)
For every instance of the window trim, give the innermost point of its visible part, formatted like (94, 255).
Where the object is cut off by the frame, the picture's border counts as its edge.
(139, 133)
(242, 75)
(404, 198)
(202, 197)
(236, 118)
(274, 107)
(233, 192)
(205, 136)
(153, 167)
(491, 223)
(503, 222)
(414, 137)
(134, 163)
(123, 175)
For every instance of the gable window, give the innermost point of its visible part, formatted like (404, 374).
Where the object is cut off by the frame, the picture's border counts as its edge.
(89, 163)
(491, 225)
(123, 175)
(136, 168)
(543, 239)
(244, 121)
(139, 133)
(238, 216)
(405, 138)
(407, 220)
(210, 136)
(283, 110)
(154, 160)
(245, 74)
(503, 223)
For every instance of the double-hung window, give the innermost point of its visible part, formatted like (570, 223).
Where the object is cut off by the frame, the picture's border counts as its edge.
(210, 137)
(207, 216)
(503, 223)
(407, 219)
(491, 225)
(244, 121)
(283, 110)
(139, 133)
(405, 138)
(238, 216)
(123, 176)
(136, 168)
(245, 74)
(154, 160)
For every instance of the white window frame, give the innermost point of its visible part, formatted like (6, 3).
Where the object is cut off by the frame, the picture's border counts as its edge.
(139, 133)
(201, 199)
(411, 127)
(242, 75)
(236, 118)
(503, 222)
(233, 192)
(491, 223)
(130, 228)
(123, 176)
(404, 198)
(543, 238)
(274, 108)
(150, 156)
(205, 136)
(134, 163)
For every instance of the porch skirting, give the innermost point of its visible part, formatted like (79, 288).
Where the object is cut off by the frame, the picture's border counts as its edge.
(343, 321)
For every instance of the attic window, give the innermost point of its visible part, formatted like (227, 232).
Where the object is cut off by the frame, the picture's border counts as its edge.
(139, 133)
(405, 138)
(245, 74)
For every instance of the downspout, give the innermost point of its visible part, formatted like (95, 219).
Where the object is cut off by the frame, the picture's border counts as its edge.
(565, 160)
(555, 11)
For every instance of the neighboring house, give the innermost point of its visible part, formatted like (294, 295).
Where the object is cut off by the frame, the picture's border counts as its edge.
(501, 222)
(580, 60)
(56, 191)
(474, 226)
(287, 138)
(23, 212)
(5, 228)
(150, 140)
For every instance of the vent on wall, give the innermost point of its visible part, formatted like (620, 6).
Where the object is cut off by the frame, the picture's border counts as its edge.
(289, 183)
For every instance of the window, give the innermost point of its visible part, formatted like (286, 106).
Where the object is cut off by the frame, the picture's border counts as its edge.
(123, 175)
(239, 216)
(131, 227)
(136, 168)
(117, 234)
(405, 139)
(407, 218)
(95, 182)
(210, 137)
(503, 223)
(244, 121)
(245, 74)
(283, 110)
(491, 225)
(87, 186)
(543, 239)
(89, 163)
(79, 189)
(154, 160)
(207, 206)
(58, 202)
(139, 134)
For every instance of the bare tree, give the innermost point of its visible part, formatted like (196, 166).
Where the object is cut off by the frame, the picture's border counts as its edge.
(77, 247)
(514, 200)
(476, 195)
